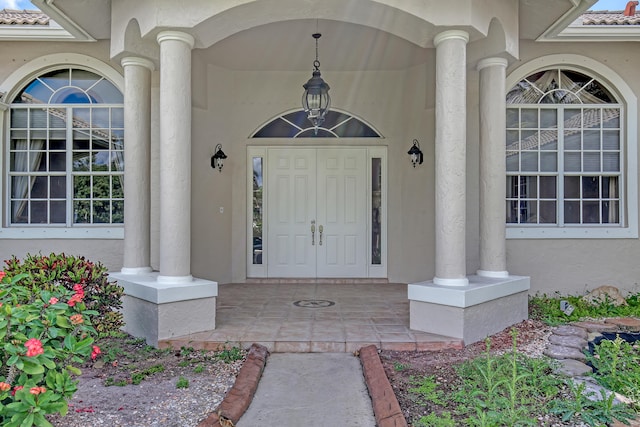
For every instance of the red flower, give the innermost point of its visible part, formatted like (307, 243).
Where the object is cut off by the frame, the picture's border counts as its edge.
(96, 351)
(34, 347)
(2, 274)
(53, 300)
(16, 388)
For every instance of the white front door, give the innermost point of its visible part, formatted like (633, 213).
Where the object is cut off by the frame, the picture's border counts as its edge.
(316, 224)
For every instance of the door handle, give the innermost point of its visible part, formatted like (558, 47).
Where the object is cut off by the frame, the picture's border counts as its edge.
(313, 232)
(320, 229)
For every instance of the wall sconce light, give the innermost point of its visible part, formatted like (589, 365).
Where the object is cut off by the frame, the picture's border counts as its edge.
(217, 159)
(415, 153)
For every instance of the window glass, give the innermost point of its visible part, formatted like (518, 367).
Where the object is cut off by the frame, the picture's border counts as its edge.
(257, 249)
(297, 125)
(563, 151)
(75, 139)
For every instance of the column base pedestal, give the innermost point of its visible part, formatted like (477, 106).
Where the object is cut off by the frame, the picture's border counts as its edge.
(160, 310)
(485, 306)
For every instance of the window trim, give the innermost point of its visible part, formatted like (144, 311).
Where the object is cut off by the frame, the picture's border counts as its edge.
(11, 86)
(629, 141)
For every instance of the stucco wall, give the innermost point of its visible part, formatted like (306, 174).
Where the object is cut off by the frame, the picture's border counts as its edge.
(239, 102)
(574, 266)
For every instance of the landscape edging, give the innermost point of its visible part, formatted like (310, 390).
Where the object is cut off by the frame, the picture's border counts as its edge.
(386, 408)
(238, 399)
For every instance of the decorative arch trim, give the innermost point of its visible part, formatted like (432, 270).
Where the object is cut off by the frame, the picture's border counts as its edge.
(32, 69)
(337, 124)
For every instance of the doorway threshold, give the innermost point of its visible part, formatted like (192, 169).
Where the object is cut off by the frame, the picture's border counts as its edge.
(305, 280)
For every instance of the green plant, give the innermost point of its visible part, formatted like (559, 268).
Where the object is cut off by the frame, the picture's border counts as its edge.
(138, 377)
(186, 351)
(44, 334)
(198, 369)
(547, 308)
(229, 355)
(184, 363)
(593, 411)
(59, 270)
(398, 367)
(426, 390)
(506, 389)
(617, 366)
(182, 383)
(433, 420)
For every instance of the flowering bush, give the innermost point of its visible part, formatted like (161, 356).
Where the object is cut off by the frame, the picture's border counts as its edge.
(44, 335)
(55, 270)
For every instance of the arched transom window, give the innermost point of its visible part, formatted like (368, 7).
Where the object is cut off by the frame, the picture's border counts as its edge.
(296, 125)
(66, 160)
(564, 152)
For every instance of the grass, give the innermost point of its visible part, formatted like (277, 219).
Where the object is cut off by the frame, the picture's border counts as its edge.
(513, 389)
(547, 308)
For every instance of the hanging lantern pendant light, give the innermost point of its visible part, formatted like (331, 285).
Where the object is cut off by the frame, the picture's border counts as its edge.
(315, 99)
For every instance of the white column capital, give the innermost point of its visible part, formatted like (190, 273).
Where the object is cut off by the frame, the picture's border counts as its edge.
(176, 35)
(138, 61)
(492, 62)
(450, 34)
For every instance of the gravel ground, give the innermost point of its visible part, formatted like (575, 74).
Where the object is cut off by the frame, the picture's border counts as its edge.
(156, 401)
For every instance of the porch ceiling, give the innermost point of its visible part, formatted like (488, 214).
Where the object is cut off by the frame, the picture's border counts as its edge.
(288, 45)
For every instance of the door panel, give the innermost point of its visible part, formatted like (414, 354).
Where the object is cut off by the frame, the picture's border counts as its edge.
(327, 187)
(291, 193)
(341, 206)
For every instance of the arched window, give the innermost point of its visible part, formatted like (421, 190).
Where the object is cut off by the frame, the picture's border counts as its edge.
(565, 152)
(296, 125)
(66, 159)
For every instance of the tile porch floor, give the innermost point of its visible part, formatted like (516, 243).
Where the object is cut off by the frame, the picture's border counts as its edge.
(265, 313)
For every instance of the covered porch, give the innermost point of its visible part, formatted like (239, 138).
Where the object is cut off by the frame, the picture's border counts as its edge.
(313, 317)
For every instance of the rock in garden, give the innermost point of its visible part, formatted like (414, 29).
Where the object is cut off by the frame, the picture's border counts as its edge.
(560, 352)
(568, 341)
(573, 368)
(593, 391)
(596, 326)
(571, 330)
(628, 323)
(606, 293)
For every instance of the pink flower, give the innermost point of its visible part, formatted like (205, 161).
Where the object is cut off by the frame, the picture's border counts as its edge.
(16, 388)
(34, 347)
(2, 274)
(96, 351)
(76, 319)
(4, 386)
(75, 299)
(78, 288)
(37, 390)
(53, 300)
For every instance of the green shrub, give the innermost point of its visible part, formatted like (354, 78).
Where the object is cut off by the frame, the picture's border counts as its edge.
(44, 335)
(49, 272)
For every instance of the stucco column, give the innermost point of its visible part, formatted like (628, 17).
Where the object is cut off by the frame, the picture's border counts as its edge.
(175, 156)
(137, 165)
(493, 259)
(450, 161)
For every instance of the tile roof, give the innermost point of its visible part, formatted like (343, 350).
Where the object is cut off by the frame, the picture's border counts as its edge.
(605, 17)
(23, 17)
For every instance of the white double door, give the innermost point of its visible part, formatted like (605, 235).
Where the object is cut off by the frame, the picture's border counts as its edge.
(317, 218)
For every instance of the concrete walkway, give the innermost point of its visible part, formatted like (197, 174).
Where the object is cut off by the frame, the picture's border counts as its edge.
(311, 390)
